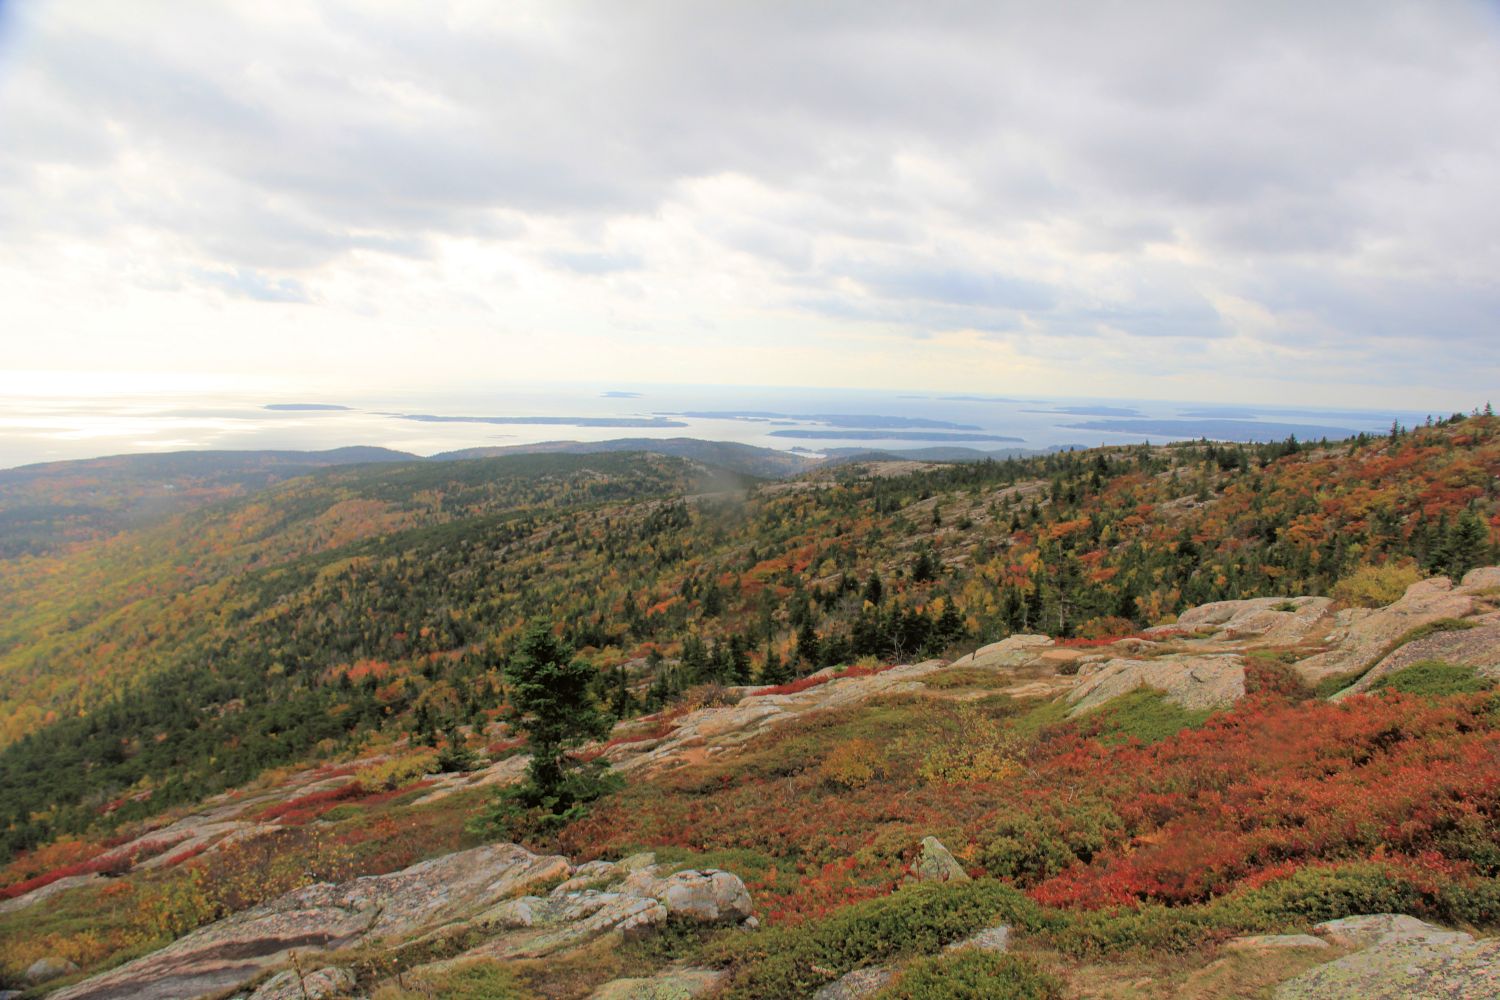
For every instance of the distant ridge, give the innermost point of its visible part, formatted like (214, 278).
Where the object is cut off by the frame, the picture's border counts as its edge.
(939, 454)
(763, 462)
(161, 463)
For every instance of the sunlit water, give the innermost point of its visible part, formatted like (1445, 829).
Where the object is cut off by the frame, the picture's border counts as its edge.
(62, 420)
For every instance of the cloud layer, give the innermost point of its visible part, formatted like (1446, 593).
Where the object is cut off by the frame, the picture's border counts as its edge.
(1158, 199)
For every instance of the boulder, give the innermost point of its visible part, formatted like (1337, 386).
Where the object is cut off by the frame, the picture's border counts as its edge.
(1403, 970)
(1272, 620)
(674, 984)
(627, 899)
(709, 896)
(536, 926)
(1009, 652)
(49, 968)
(288, 985)
(992, 939)
(937, 864)
(1398, 958)
(1486, 578)
(857, 984)
(1477, 647)
(1194, 681)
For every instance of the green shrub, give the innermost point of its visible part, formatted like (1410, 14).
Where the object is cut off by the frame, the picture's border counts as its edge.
(1306, 897)
(792, 962)
(1435, 679)
(1029, 848)
(973, 975)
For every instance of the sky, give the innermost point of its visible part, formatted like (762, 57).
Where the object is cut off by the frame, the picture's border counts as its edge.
(1240, 202)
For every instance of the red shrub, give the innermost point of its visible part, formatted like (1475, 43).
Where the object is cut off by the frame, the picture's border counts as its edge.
(813, 680)
(306, 807)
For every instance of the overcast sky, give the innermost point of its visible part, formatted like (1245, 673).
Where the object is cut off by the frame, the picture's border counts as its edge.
(1297, 202)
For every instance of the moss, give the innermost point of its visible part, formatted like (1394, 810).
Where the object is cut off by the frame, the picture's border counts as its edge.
(1435, 679)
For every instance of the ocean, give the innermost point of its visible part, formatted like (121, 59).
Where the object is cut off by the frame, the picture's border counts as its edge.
(55, 422)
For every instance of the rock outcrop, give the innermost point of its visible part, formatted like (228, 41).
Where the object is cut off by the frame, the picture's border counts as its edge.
(1399, 958)
(1363, 640)
(479, 888)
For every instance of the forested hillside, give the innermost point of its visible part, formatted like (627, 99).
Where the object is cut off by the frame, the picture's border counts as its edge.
(157, 665)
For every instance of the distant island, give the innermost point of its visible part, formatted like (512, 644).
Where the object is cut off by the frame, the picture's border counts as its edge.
(869, 420)
(304, 406)
(853, 435)
(1091, 411)
(1218, 430)
(433, 418)
(618, 394)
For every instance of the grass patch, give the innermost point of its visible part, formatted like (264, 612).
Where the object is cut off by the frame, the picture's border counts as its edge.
(954, 678)
(1434, 679)
(1144, 714)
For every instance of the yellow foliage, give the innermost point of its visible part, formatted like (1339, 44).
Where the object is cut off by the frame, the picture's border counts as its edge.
(853, 764)
(1372, 586)
(393, 772)
(170, 910)
(975, 748)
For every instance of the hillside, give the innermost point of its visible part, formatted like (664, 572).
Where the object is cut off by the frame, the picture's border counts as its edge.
(266, 647)
(44, 507)
(1215, 811)
(395, 590)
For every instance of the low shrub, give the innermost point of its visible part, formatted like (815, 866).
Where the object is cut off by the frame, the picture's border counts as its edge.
(970, 974)
(793, 962)
(973, 747)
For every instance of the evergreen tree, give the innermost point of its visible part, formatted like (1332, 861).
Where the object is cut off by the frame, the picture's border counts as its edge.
(549, 693)
(807, 646)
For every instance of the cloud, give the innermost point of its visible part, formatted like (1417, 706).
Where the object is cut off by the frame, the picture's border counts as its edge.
(254, 285)
(595, 262)
(1041, 175)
